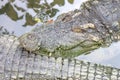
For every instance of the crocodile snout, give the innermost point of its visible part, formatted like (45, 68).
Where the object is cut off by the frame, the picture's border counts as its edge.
(30, 41)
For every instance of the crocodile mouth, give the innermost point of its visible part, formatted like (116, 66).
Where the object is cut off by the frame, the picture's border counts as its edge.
(75, 49)
(59, 42)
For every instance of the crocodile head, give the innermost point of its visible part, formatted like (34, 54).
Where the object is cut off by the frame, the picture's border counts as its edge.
(67, 38)
(78, 32)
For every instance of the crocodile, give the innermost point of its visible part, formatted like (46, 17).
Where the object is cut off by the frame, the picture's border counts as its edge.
(17, 63)
(46, 53)
(96, 24)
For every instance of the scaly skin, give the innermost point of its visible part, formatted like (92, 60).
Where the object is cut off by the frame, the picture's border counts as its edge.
(19, 64)
(94, 25)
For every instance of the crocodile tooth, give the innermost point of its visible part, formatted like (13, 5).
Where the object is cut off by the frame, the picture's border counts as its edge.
(118, 37)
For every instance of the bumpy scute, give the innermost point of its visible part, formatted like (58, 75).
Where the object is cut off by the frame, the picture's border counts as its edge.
(29, 41)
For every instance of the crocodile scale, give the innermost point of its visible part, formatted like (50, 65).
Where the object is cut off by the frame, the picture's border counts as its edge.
(19, 64)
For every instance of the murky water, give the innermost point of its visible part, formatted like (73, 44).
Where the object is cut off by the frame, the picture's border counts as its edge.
(19, 16)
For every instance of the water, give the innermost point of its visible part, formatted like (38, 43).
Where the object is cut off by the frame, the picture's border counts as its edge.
(18, 17)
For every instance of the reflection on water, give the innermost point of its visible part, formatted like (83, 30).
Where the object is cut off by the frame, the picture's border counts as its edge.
(21, 16)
